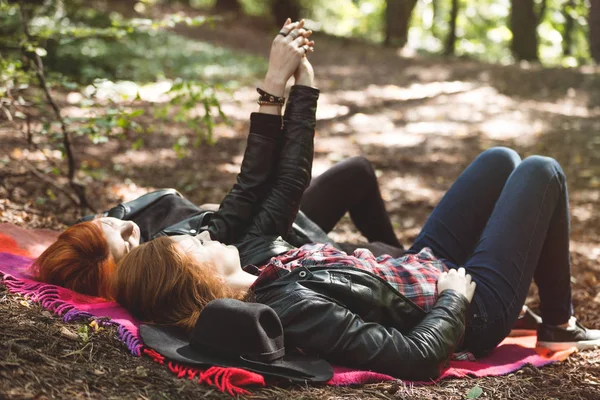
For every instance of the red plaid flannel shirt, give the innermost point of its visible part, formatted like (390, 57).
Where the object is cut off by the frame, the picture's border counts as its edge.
(413, 275)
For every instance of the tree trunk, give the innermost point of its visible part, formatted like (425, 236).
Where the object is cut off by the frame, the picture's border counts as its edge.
(397, 21)
(523, 24)
(450, 43)
(435, 6)
(594, 24)
(282, 9)
(232, 6)
(568, 29)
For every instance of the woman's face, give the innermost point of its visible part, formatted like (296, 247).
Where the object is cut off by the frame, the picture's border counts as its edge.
(201, 248)
(122, 236)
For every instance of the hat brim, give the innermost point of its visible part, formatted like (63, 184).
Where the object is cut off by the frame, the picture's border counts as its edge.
(173, 343)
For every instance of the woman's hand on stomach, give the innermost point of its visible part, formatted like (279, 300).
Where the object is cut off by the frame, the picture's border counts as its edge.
(457, 280)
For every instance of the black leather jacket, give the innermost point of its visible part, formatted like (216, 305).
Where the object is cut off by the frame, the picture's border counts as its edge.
(346, 315)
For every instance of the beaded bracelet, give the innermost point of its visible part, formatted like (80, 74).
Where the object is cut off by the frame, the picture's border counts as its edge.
(267, 99)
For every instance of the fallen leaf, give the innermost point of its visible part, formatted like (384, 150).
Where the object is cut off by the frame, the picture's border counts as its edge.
(66, 333)
(24, 303)
(474, 393)
(94, 325)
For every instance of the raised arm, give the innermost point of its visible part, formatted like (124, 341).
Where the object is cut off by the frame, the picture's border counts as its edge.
(240, 205)
(292, 173)
(293, 170)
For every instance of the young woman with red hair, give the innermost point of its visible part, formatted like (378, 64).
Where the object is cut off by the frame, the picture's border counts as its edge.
(84, 256)
(80, 260)
(503, 224)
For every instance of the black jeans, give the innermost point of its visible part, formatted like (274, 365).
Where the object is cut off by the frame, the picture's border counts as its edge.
(351, 186)
(507, 222)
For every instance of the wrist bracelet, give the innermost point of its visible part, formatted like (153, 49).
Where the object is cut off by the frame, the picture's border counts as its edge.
(269, 99)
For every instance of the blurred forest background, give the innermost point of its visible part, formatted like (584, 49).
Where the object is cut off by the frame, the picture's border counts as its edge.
(86, 46)
(104, 100)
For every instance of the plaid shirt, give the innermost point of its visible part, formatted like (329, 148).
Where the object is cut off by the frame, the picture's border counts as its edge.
(413, 275)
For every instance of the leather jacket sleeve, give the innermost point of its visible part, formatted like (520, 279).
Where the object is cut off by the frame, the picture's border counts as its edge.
(293, 170)
(319, 325)
(239, 206)
(129, 209)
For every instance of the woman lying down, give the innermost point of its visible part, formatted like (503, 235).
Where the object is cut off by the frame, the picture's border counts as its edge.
(461, 286)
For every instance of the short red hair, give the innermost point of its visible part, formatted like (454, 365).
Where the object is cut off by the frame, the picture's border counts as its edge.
(79, 260)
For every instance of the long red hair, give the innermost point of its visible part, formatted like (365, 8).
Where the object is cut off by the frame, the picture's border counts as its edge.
(158, 283)
(79, 260)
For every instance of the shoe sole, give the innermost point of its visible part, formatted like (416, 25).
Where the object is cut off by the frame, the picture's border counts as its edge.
(560, 346)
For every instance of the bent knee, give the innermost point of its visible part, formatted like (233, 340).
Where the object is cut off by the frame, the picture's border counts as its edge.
(543, 167)
(502, 157)
(361, 167)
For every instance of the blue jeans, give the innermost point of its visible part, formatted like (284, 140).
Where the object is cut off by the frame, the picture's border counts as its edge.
(507, 222)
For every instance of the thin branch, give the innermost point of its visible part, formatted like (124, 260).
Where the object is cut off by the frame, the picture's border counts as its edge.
(66, 135)
(43, 177)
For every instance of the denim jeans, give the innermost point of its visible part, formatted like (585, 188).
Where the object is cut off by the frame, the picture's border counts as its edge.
(507, 222)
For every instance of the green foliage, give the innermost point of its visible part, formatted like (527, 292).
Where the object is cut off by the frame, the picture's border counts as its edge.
(83, 331)
(474, 392)
(187, 95)
(64, 44)
(148, 57)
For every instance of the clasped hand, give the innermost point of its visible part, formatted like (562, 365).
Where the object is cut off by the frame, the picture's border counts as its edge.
(457, 280)
(288, 55)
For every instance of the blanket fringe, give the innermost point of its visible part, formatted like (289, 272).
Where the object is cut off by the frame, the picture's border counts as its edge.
(47, 295)
(226, 380)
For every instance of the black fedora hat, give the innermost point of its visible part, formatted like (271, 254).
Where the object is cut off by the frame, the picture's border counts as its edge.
(232, 333)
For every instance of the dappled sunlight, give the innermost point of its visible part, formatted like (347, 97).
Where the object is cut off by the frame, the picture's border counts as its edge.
(431, 73)
(128, 190)
(566, 107)
(483, 110)
(336, 148)
(582, 212)
(393, 138)
(413, 188)
(229, 168)
(370, 123)
(35, 154)
(321, 165)
(343, 70)
(378, 93)
(125, 91)
(589, 250)
(443, 128)
(330, 111)
(587, 195)
(513, 126)
(147, 157)
(241, 104)
(78, 112)
(232, 167)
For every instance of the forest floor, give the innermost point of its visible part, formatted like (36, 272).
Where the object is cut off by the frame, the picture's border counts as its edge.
(420, 120)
